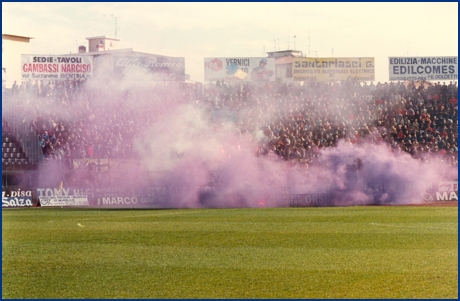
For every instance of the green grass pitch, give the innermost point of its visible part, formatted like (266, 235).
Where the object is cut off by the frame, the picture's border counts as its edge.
(334, 252)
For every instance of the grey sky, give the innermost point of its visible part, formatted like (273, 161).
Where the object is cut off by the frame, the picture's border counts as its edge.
(198, 30)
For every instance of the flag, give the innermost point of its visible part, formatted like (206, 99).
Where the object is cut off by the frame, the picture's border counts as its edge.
(232, 68)
(60, 187)
(80, 163)
(240, 74)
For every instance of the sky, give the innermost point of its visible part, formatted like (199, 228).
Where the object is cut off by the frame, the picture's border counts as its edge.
(196, 30)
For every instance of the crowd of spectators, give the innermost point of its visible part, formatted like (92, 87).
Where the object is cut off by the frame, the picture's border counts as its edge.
(75, 120)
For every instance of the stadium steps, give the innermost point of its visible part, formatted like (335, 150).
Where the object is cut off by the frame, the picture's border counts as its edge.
(12, 152)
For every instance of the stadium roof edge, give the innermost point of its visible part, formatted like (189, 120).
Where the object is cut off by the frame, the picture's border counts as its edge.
(100, 52)
(102, 37)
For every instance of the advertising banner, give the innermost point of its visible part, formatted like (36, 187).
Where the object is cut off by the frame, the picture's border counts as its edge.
(149, 68)
(17, 198)
(155, 196)
(448, 186)
(62, 197)
(444, 191)
(53, 67)
(451, 196)
(64, 201)
(423, 68)
(152, 196)
(17, 202)
(301, 200)
(333, 69)
(256, 69)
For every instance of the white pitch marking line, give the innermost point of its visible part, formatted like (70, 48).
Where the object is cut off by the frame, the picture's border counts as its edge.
(107, 217)
(396, 226)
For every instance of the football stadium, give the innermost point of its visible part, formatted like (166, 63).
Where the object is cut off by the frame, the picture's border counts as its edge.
(280, 176)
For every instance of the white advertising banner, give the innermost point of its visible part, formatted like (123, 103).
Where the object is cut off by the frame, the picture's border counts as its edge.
(239, 69)
(330, 69)
(67, 201)
(54, 67)
(152, 68)
(423, 68)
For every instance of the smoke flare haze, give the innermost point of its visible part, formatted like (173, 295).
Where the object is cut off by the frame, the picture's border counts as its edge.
(201, 156)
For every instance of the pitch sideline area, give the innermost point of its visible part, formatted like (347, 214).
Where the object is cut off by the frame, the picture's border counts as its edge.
(322, 252)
